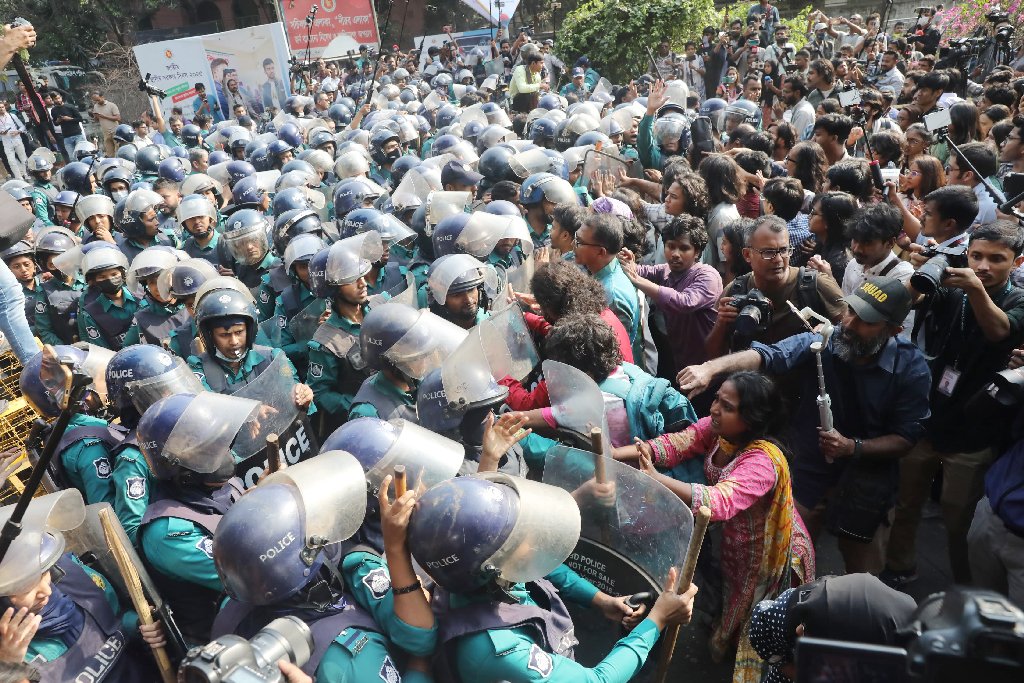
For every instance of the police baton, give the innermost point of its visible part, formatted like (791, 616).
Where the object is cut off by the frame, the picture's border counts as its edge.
(600, 476)
(130, 574)
(668, 646)
(273, 454)
(74, 387)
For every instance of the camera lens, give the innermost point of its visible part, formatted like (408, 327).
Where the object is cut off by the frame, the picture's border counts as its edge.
(287, 637)
(927, 278)
(748, 321)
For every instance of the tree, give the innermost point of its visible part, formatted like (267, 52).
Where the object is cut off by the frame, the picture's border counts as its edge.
(615, 33)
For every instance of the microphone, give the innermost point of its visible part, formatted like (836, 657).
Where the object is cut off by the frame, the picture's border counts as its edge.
(313, 9)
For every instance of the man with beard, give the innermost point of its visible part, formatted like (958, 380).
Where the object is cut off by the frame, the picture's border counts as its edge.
(878, 385)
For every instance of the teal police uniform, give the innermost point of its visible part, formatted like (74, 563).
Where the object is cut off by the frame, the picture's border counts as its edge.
(87, 462)
(336, 367)
(104, 323)
(154, 322)
(379, 394)
(57, 311)
(42, 207)
(210, 252)
(287, 305)
(133, 484)
(255, 361)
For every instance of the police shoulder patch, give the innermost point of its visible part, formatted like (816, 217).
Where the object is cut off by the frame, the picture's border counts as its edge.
(378, 582)
(540, 661)
(389, 672)
(92, 332)
(205, 546)
(264, 296)
(316, 370)
(102, 466)
(40, 307)
(135, 488)
(98, 580)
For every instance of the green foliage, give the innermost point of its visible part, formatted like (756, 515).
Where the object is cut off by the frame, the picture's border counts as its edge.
(614, 33)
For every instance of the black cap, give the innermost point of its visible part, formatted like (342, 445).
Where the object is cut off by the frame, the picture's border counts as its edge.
(457, 172)
(880, 299)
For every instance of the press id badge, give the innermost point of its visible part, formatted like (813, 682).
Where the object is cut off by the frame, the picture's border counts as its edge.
(948, 381)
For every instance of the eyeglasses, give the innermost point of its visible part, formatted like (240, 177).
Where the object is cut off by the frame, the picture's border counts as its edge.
(576, 242)
(912, 174)
(771, 254)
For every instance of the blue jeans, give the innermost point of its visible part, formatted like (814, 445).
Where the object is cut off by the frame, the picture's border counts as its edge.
(69, 145)
(13, 323)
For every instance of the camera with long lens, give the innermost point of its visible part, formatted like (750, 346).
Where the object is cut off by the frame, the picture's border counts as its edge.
(755, 313)
(927, 278)
(145, 87)
(233, 659)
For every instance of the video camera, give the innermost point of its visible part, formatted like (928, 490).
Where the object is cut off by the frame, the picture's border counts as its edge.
(233, 659)
(962, 634)
(145, 87)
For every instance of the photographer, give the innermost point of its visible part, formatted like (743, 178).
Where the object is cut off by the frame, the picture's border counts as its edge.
(781, 51)
(879, 390)
(202, 104)
(766, 248)
(971, 322)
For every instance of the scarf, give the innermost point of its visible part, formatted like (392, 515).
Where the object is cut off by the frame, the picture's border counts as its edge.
(778, 556)
(62, 620)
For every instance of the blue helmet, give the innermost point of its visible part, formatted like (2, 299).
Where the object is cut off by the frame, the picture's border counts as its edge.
(559, 166)
(592, 137)
(382, 329)
(66, 198)
(500, 207)
(192, 135)
(446, 234)
(443, 144)
(174, 168)
(435, 412)
(322, 138)
(354, 193)
(148, 159)
(259, 157)
(340, 114)
(140, 375)
(495, 164)
(238, 170)
(542, 132)
(549, 101)
(180, 151)
(228, 307)
(355, 221)
(344, 262)
(256, 566)
(127, 152)
(290, 133)
(545, 186)
(472, 129)
(744, 111)
(446, 114)
(714, 109)
(288, 199)
(124, 133)
(77, 178)
(246, 193)
(401, 166)
(293, 223)
(277, 148)
(219, 156)
(474, 531)
(43, 394)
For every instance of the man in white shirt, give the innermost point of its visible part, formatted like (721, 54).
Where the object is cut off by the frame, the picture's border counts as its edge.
(873, 231)
(800, 113)
(11, 129)
(982, 158)
(692, 70)
(890, 76)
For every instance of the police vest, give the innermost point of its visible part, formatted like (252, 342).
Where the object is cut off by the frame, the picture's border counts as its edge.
(388, 405)
(345, 346)
(195, 251)
(217, 375)
(155, 325)
(110, 435)
(110, 328)
(279, 280)
(245, 620)
(194, 605)
(63, 309)
(251, 276)
(185, 333)
(291, 301)
(548, 622)
(99, 653)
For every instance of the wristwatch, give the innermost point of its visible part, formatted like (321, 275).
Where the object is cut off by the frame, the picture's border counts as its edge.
(858, 448)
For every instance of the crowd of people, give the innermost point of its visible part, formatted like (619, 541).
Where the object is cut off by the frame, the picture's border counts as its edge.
(792, 308)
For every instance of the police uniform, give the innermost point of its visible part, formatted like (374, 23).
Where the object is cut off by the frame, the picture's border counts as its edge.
(381, 176)
(154, 322)
(543, 239)
(257, 279)
(217, 376)
(84, 457)
(336, 368)
(289, 303)
(43, 195)
(132, 483)
(176, 540)
(379, 397)
(99, 653)
(273, 282)
(208, 253)
(102, 322)
(56, 308)
(31, 298)
(132, 248)
(529, 641)
(183, 341)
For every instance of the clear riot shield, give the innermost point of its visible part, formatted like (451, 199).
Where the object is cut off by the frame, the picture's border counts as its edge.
(521, 276)
(305, 322)
(428, 457)
(271, 329)
(89, 543)
(150, 261)
(577, 403)
(676, 92)
(95, 365)
(483, 231)
(213, 427)
(179, 380)
(219, 172)
(333, 492)
(473, 113)
(604, 161)
(24, 562)
(442, 204)
(469, 375)
(509, 328)
(525, 164)
(630, 538)
(603, 86)
(426, 345)
(273, 388)
(223, 282)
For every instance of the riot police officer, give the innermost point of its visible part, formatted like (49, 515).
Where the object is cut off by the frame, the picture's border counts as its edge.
(139, 224)
(198, 218)
(337, 274)
(182, 282)
(95, 214)
(191, 442)
(56, 302)
(527, 634)
(460, 288)
(40, 167)
(402, 344)
(83, 456)
(540, 194)
(157, 315)
(106, 308)
(296, 311)
(385, 149)
(19, 259)
(246, 239)
(137, 377)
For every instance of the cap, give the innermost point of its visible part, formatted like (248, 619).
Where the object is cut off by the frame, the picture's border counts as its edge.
(578, 72)
(583, 61)
(362, 48)
(880, 299)
(820, 26)
(457, 172)
(549, 41)
(612, 206)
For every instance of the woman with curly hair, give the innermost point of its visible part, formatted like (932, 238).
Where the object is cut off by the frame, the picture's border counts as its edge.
(830, 213)
(766, 548)
(807, 163)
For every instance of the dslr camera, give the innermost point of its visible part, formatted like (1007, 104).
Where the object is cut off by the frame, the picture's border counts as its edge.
(927, 278)
(755, 313)
(145, 87)
(233, 659)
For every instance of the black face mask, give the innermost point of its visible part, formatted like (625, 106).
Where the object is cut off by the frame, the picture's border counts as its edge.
(393, 155)
(111, 286)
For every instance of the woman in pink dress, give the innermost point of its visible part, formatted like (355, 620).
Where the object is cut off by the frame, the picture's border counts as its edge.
(765, 547)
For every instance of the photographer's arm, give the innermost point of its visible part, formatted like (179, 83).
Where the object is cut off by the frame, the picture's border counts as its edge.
(992, 320)
(158, 119)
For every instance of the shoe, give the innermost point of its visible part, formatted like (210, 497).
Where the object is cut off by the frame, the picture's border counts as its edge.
(897, 579)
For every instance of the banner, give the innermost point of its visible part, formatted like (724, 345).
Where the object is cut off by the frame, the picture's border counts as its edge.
(475, 44)
(253, 60)
(495, 11)
(338, 27)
